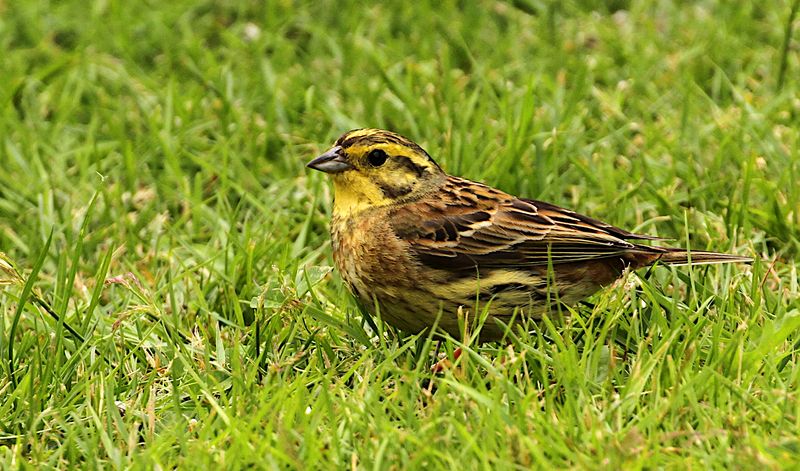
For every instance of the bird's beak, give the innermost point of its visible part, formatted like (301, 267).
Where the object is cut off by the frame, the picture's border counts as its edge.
(331, 162)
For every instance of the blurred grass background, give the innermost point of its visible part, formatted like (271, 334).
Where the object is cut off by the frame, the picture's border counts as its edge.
(153, 195)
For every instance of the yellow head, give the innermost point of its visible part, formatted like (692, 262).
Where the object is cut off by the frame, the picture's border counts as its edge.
(373, 168)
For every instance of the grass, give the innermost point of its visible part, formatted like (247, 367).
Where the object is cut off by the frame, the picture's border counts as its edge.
(166, 293)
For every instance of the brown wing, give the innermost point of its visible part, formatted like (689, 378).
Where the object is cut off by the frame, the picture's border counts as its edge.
(468, 225)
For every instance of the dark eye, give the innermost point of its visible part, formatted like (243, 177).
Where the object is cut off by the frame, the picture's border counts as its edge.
(376, 157)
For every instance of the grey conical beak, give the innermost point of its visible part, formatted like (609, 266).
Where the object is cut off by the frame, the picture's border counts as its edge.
(331, 162)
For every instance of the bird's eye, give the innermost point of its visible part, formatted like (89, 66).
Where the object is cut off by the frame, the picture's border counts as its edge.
(376, 157)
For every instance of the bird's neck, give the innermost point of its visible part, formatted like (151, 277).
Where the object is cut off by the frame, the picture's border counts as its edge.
(352, 198)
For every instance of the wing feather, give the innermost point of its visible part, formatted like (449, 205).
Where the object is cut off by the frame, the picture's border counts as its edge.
(468, 225)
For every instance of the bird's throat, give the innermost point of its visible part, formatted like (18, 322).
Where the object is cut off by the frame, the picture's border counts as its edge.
(352, 197)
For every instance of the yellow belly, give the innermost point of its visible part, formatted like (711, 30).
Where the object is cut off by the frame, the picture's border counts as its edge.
(383, 273)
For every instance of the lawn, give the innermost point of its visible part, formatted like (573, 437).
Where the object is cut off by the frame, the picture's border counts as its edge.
(166, 291)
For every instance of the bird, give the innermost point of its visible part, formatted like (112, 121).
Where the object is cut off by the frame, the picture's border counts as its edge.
(419, 247)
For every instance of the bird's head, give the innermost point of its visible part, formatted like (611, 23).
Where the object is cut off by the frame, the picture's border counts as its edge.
(373, 168)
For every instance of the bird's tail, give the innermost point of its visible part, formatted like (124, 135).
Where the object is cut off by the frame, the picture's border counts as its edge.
(673, 256)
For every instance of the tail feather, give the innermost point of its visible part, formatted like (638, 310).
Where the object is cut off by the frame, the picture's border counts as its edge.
(673, 256)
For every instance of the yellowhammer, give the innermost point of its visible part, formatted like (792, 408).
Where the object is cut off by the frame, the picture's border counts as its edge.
(418, 244)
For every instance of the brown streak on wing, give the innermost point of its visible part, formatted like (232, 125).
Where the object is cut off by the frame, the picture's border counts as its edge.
(467, 225)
